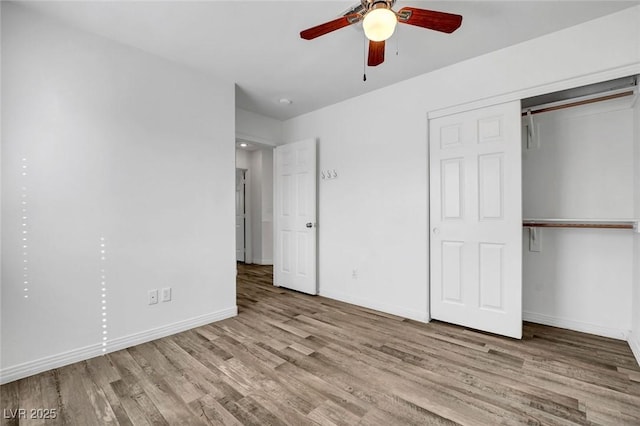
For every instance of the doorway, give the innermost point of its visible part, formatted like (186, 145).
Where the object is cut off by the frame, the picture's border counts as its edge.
(254, 174)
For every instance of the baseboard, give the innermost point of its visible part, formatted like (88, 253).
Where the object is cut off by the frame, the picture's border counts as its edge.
(382, 307)
(15, 372)
(264, 262)
(583, 327)
(634, 344)
(20, 371)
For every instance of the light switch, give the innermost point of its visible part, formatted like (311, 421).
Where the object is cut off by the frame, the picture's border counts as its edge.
(535, 240)
(166, 294)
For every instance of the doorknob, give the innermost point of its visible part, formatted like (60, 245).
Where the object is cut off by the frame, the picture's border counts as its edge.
(309, 225)
(436, 231)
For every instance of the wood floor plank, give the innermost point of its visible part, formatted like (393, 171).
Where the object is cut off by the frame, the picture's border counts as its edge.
(198, 373)
(10, 402)
(139, 409)
(466, 385)
(238, 411)
(31, 394)
(148, 356)
(329, 413)
(293, 359)
(512, 391)
(213, 412)
(172, 408)
(50, 400)
(76, 406)
(99, 401)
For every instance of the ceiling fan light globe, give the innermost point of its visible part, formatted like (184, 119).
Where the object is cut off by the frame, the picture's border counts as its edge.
(379, 24)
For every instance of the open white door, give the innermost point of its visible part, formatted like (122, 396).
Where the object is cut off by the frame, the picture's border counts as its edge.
(240, 216)
(295, 217)
(476, 219)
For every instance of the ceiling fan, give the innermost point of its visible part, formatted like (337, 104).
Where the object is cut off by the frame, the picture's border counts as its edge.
(379, 22)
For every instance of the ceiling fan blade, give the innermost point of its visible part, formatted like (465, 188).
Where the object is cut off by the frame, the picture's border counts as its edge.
(431, 19)
(376, 53)
(358, 8)
(327, 27)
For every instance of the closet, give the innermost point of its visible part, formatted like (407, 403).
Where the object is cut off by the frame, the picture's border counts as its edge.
(578, 155)
(533, 211)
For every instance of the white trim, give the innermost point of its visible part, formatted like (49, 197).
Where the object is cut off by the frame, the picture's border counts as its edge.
(421, 316)
(264, 262)
(273, 221)
(539, 90)
(584, 327)
(428, 217)
(246, 215)
(248, 218)
(625, 91)
(15, 372)
(634, 344)
(243, 137)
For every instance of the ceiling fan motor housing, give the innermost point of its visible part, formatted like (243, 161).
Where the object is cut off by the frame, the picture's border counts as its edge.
(370, 5)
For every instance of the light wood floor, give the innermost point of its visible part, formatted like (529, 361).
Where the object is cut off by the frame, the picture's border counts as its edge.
(289, 358)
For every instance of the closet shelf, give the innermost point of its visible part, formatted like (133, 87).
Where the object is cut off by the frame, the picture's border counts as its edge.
(584, 100)
(580, 223)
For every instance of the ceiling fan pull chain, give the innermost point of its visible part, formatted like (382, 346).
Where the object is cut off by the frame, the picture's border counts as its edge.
(364, 60)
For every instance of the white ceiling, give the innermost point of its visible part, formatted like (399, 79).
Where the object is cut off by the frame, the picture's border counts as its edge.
(257, 45)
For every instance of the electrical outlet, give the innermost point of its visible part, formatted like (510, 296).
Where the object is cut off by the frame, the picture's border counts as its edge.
(153, 297)
(354, 274)
(166, 294)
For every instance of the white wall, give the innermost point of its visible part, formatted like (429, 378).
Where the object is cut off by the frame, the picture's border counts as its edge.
(257, 128)
(242, 159)
(255, 188)
(117, 144)
(374, 217)
(267, 207)
(580, 166)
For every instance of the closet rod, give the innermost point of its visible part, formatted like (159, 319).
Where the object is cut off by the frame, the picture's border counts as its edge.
(577, 224)
(582, 102)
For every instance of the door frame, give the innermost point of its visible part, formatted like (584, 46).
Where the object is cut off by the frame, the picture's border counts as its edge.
(524, 93)
(248, 229)
(248, 177)
(247, 223)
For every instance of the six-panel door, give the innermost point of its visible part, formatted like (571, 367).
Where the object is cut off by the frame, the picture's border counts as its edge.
(476, 219)
(295, 221)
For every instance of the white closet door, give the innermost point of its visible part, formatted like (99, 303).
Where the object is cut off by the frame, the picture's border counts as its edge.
(476, 219)
(295, 246)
